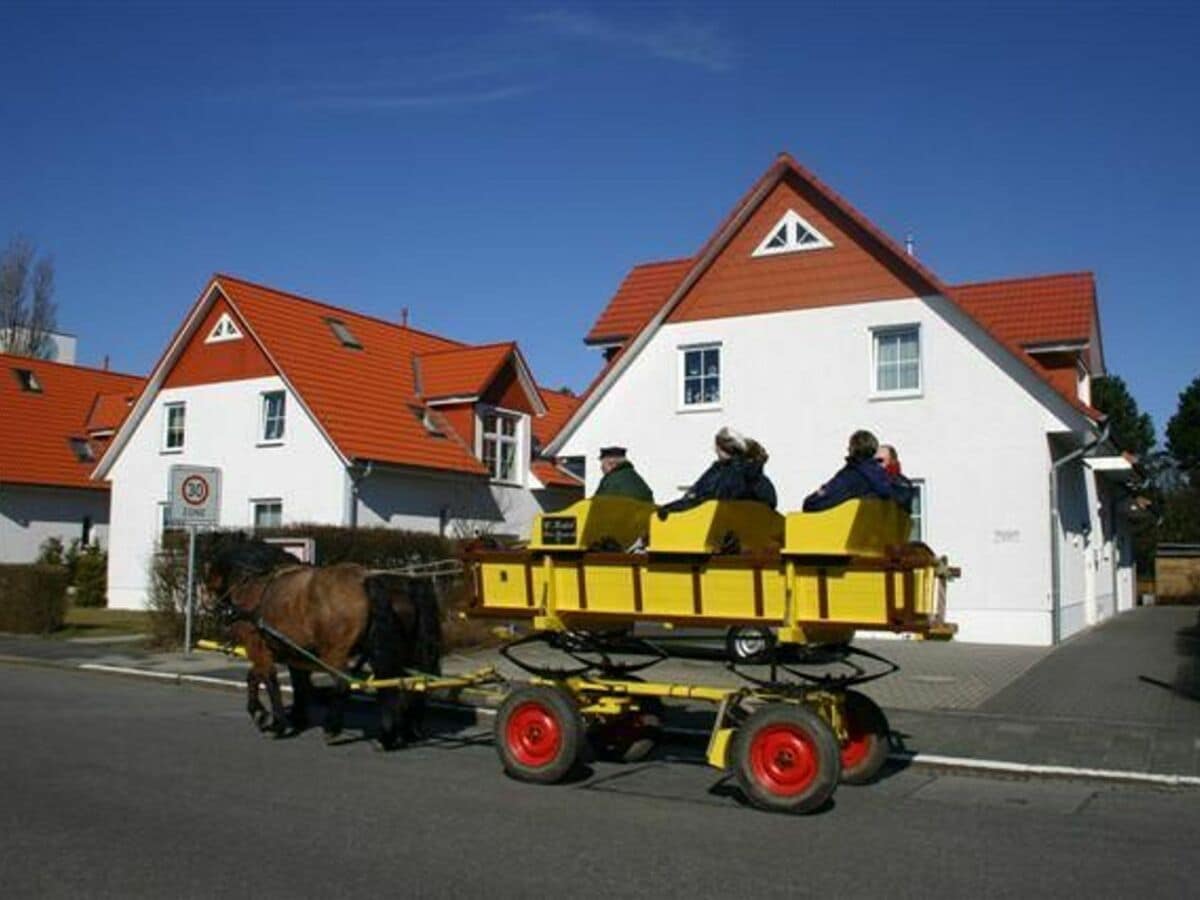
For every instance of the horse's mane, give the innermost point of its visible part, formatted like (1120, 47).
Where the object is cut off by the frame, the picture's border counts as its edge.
(238, 556)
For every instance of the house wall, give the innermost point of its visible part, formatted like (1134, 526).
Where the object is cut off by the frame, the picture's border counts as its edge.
(29, 515)
(456, 506)
(800, 382)
(223, 427)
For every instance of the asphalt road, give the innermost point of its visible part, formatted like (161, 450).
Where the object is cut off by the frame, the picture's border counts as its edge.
(119, 788)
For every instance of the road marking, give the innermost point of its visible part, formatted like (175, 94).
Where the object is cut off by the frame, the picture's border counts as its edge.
(919, 759)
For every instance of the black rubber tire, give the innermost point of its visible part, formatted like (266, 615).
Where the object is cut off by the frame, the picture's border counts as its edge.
(631, 737)
(736, 635)
(868, 727)
(539, 734)
(785, 758)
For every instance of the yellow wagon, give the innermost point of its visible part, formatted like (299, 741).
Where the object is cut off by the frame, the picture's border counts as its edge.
(789, 589)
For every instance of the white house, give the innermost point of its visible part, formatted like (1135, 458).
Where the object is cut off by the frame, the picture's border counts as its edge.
(798, 322)
(315, 413)
(55, 421)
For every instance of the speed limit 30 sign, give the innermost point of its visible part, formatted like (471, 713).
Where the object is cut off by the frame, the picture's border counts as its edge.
(194, 495)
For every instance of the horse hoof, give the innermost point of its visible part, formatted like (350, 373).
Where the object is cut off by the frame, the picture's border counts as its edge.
(331, 737)
(261, 719)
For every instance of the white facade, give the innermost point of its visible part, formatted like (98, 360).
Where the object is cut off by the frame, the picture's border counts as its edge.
(975, 434)
(29, 515)
(224, 428)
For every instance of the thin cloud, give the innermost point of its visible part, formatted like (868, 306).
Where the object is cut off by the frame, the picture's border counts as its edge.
(681, 40)
(351, 102)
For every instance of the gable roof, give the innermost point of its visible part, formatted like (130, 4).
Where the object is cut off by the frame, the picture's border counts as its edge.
(1040, 309)
(464, 373)
(559, 406)
(642, 293)
(908, 266)
(363, 398)
(36, 427)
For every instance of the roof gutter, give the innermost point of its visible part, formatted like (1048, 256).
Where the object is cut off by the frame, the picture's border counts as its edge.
(1055, 525)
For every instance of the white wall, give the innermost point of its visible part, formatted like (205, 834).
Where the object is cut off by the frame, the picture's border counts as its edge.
(223, 425)
(455, 505)
(29, 515)
(800, 382)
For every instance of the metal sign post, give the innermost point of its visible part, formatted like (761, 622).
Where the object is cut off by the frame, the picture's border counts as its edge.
(193, 500)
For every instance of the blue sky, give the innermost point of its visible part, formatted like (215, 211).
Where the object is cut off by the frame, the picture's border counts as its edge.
(497, 168)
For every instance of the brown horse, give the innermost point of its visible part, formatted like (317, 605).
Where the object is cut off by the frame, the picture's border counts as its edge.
(335, 614)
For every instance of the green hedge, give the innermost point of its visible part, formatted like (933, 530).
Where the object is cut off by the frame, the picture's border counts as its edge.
(33, 598)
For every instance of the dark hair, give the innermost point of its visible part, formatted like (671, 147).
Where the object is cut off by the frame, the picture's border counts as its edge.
(863, 445)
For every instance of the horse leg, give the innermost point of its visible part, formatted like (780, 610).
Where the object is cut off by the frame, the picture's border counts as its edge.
(258, 712)
(390, 718)
(279, 716)
(301, 695)
(335, 715)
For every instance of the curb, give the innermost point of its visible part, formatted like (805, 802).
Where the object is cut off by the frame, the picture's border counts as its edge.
(923, 760)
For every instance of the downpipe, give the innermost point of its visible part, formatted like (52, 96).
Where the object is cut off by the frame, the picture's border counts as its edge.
(355, 481)
(1055, 524)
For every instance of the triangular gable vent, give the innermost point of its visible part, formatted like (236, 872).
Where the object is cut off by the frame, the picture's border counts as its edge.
(224, 330)
(790, 235)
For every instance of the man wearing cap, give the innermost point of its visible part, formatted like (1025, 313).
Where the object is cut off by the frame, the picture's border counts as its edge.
(620, 478)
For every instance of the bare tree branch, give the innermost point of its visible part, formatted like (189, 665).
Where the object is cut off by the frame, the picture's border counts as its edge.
(28, 314)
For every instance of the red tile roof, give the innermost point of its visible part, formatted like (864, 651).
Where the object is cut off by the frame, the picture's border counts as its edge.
(623, 311)
(559, 407)
(363, 398)
(35, 428)
(462, 371)
(643, 292)
(110, 410)
(1042, 309)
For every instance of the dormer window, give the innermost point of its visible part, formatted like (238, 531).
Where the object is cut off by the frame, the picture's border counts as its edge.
(343, 333)
(225, 330)
(792, 234)
(28, 381)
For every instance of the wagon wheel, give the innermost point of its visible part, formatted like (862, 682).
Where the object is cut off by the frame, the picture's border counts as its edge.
(749, 644)
(786, 759)
(866, 747)
(629, 737)
(539, 734)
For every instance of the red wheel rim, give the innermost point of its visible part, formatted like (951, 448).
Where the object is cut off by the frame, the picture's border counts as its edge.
(783, 759)
(858, 743)
(533, 734)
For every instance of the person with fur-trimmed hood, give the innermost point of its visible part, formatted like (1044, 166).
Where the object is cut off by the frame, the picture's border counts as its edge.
(737, 474)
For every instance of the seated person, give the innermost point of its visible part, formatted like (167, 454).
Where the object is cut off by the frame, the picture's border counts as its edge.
(737, 474)
(620, 478)
(902, 489)
(862, 476)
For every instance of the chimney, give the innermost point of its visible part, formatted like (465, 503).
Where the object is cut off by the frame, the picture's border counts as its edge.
(105, 366)
(404, 317)
(910, 243)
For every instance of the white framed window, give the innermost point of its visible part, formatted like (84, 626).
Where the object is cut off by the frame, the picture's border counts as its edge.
(267, 513)
(792, 234)
(700, 377)
(225, 330)
(896, 361)
(274, 417)
(174, 416)
(917, 515)
(499, 444)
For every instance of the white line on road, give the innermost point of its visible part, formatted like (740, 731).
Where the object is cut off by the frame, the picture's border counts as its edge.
(926, 759)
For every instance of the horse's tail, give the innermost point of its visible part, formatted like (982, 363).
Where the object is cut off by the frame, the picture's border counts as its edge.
(427, 654)
(384, 631)
(391, 645)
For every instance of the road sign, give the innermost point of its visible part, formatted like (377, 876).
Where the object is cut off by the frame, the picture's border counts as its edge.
(194, 496)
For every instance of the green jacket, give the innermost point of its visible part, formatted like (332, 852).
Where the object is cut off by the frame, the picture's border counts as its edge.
(624, 481)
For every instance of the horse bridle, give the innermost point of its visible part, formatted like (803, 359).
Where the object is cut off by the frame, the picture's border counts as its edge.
(229, 612)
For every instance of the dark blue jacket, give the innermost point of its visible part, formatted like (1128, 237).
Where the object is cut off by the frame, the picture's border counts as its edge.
(727, 479)
(858, 478)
